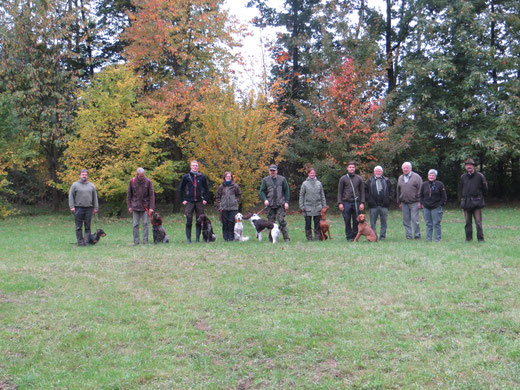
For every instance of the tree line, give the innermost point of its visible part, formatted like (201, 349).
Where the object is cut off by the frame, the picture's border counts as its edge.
(115, 84)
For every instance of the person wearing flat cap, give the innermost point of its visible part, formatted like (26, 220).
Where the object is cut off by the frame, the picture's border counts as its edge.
(274, 192)
(472, 187)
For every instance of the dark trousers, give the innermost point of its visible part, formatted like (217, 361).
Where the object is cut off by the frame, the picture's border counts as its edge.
(82, 217)
(228, 224)
(350, 214)
(278, 215)
(477, 215)
(198, 207)
(308, 227)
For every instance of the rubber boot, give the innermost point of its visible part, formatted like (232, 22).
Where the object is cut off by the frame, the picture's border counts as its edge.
(188, 234)
(197, 232)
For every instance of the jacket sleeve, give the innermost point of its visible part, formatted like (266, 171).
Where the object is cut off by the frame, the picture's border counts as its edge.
(181, 189)
(340, 189)
(205, 188)
(95, 198)
(323, 198)
(398, 191)
(72, 192)
(218, 198)
(302, 196)
(484, 185)
(262, 191)
(444, 195)
(152, 196)
(421, 194)
(286, 191)
(129, 195)
(238, 193)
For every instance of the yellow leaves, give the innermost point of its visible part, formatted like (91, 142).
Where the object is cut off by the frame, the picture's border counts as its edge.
(241, 137)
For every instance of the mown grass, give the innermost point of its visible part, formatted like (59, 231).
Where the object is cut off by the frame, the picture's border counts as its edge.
(335, 314)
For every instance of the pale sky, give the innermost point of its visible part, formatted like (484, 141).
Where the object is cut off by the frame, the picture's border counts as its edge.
(256, 56)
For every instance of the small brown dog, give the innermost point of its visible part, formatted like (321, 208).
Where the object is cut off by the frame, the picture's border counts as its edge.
(324, 224)
(364, 229)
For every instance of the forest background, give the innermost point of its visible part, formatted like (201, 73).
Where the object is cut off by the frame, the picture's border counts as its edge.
(111, 85)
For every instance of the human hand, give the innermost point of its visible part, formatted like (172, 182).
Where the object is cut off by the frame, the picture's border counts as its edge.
(184, 202)
(361, 207)
(341, 208)
(286, 206)
(204, 203)
(266, 203)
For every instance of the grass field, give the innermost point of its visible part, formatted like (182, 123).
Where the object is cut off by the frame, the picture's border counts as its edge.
(325, 315)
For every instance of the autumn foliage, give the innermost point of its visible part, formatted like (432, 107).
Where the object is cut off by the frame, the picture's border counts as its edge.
(347, 115)
(242, 137)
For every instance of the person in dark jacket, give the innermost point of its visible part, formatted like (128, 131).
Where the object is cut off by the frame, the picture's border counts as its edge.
(140, 200)
(274, 191)
(408, 191)
(351, 199)
(228, 199)
(432, 198)
(379, 191)
(472, 187)
(193, 192)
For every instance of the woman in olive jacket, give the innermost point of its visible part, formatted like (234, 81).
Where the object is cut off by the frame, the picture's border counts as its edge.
(312, 200)
(228, 199)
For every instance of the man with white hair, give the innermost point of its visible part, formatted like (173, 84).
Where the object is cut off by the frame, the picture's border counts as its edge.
(408, 193)
(433, 197)
(140, 199)
(378, 191)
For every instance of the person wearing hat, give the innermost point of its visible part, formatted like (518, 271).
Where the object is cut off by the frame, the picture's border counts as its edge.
(274, 191)
(472, 187)
(351, 199)
(408, 194)
(379, 191)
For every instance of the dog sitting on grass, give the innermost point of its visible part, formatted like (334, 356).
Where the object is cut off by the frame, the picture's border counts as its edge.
(207, 228)
(364, 229)
(93, 239)
(159, 234)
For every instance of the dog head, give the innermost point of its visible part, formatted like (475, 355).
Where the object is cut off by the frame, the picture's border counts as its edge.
(239, 217)
(323, 211)
(157, 219)
(100, 233)
(361, 218)
(202, 219)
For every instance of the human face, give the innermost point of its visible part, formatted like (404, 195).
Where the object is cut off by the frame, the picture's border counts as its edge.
(83, 176)
(194, 166)
(227, 177)
(140, 176)
(351, 169)
(312, 174)
(273, 172)
(470, 168)
(378, 172)
(406, 169)
(432, 176)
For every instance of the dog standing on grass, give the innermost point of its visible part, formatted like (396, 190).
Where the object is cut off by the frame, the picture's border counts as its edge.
(364, 229)
(324, 224)
(159, 234)
(261, 224)
(207, 228)
(239, 228)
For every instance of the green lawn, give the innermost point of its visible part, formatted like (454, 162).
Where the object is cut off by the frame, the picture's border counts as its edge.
(335, 314)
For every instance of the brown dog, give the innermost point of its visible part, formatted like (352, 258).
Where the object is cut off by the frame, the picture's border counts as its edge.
(324, 224)
(364, 229)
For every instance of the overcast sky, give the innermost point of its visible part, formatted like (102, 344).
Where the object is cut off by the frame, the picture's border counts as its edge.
(255, 56)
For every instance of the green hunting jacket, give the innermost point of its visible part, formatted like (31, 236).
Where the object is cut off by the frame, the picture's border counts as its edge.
(312, 197)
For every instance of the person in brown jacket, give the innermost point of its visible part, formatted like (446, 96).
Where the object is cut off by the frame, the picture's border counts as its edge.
(351, 199)
(140, 199)
(408, 197)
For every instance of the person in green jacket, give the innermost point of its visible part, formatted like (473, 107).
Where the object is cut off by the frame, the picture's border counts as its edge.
(274, 191)
(312, 200)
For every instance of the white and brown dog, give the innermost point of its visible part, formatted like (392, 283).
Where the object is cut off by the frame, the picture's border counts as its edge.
(261, 224)
(239, 228)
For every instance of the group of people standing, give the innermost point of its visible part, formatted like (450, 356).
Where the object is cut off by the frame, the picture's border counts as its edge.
(378, 192)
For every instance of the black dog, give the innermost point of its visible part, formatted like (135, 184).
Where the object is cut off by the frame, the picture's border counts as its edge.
(159, 234)
(94, 238)
(207, 229)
